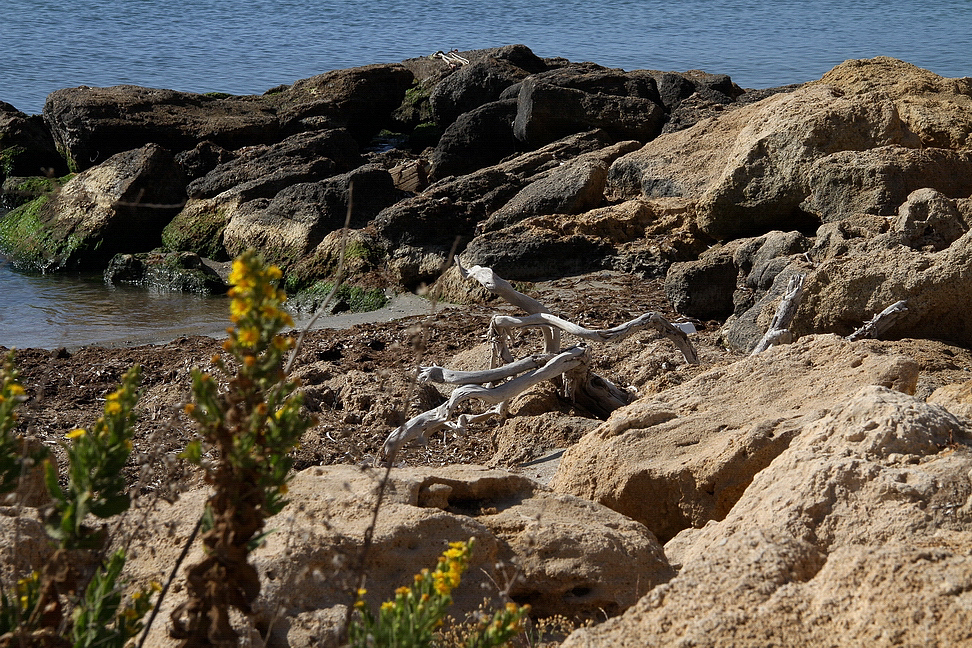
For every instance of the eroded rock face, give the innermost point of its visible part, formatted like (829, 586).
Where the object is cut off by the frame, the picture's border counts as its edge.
(576, 557)
(855, 534)
(685, 456)
(118, 206)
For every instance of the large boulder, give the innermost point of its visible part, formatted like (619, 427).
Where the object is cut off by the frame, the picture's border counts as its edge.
(256, 174)
(685, 457)
(572, 557)
(91, 124)
(471, 86)
(121, 205)
(819, 153)
(452, 207)
(937, 109)
(857, 534)
(573, 188)
(287, 227)
(165, 272)
(26, 146)
(547, 112)
(476, 139)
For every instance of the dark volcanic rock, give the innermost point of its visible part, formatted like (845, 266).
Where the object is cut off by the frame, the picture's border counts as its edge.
(702, 288)
(165, 272)
(91, 124)
(118, 206)
(470, 87)
(546, 112)
(26, 146)
(476, 139)
(522, 253)
(202, 159)
(262, 171)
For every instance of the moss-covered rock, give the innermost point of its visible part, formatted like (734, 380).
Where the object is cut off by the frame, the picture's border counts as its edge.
(165, 272)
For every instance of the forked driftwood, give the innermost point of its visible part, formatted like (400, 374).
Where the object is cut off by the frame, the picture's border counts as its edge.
(584, 387)
(881, 322)
(779, 329)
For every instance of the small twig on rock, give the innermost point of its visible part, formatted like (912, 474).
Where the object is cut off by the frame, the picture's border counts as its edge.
(779, 329)
(881, 322)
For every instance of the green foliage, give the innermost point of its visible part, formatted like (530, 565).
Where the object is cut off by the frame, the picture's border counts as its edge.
(218, 95)
(413, 618)
(252, 425)
(34, 616)
(100, 620)
(13, 463)
(7, 158)
(96, 484)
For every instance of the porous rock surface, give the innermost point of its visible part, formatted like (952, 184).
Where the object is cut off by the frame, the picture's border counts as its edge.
(559, 553)
(856, 534)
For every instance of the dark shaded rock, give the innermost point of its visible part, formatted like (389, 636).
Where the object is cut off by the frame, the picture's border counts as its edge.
(198, 161)
(572, 188)
(523, 253)
(119, 206)
(478, 138)
(91, 124)
(452, 207)
(703, 288)
(596, 79)
(262, 171)
(547, 112)
(26, 146)
(470, 87)
(291, 224)
(745, 330)
(165, 272)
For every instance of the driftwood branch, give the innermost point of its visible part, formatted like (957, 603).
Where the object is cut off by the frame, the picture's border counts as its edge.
(502, 288)
(881, 322)
(420, 426)
(596, 394)
(502, 324)
(779, 329)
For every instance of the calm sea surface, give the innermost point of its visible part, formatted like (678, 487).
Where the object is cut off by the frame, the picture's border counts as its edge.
(245, 47)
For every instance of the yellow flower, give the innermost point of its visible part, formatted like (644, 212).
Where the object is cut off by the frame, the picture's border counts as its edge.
(76, 433)
(113, 408)
(239, 307)
(248, 336)
(15, 390)
(387, 606)
(249, 360)
(362, 591)
(273, 273)
(189, 409)
(402, 591)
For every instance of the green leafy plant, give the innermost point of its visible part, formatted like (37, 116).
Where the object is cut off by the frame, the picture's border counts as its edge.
(250, 427)
(413, 618)
(77, 574)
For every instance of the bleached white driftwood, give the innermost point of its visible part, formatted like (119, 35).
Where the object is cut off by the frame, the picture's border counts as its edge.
(881, 322)
(779, 329)
(451, 377)
(502, 288)
(420, 426)
(502, 324)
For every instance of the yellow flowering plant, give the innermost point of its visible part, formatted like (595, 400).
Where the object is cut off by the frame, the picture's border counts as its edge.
(13, 461)
(95, 482)
(65, 603)
(249, 429)
(413, 617)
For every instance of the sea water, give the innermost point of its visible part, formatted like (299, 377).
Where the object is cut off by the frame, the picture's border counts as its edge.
(248, 47)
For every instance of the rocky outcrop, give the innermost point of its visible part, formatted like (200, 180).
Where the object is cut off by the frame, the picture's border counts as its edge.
(118, 206)
(855, 534)
(91, 124)
(685, 457)
(572, 557)
(26, 146)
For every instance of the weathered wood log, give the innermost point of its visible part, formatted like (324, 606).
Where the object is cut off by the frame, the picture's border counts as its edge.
(420, 426)
(502, 288)
(881, 322)
(501, 325)
(451, 377)
(779, 329)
